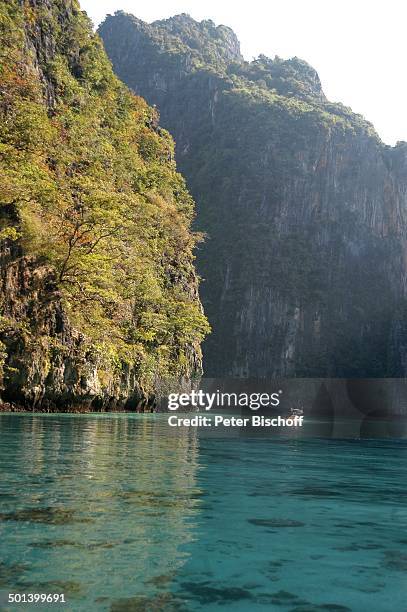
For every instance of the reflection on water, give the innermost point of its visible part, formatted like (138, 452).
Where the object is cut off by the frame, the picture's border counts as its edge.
(122, 512)
(94, 506)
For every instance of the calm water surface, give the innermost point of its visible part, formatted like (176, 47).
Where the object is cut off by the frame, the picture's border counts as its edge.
(123, 513)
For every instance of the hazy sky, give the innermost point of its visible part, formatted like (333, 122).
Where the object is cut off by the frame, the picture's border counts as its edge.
(359, 47)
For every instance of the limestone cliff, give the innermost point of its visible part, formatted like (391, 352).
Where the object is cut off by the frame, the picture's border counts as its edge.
(305, 208)
(98, 292)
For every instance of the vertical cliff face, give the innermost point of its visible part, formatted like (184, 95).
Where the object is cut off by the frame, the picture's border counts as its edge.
(98, 292)
(305, 209)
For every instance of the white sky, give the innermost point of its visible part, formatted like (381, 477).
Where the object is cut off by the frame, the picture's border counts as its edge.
(358, 47)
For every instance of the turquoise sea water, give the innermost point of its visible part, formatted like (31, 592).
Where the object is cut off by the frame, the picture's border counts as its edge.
(123, 513)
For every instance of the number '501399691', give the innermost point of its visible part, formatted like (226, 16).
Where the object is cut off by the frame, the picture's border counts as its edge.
(36, 598)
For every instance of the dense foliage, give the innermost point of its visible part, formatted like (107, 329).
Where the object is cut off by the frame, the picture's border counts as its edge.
(180, 47)
(89, 186)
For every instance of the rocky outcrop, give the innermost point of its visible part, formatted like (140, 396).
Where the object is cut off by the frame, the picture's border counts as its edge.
(99, 302)
(305, 208)
(48, 364)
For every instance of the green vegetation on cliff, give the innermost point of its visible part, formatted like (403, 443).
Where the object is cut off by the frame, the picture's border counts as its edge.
(173, 49)
(303, 205)
(89, 188)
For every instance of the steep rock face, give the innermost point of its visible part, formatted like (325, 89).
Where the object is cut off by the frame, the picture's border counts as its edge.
(99, 302)
(305, 209)
(48, 363)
